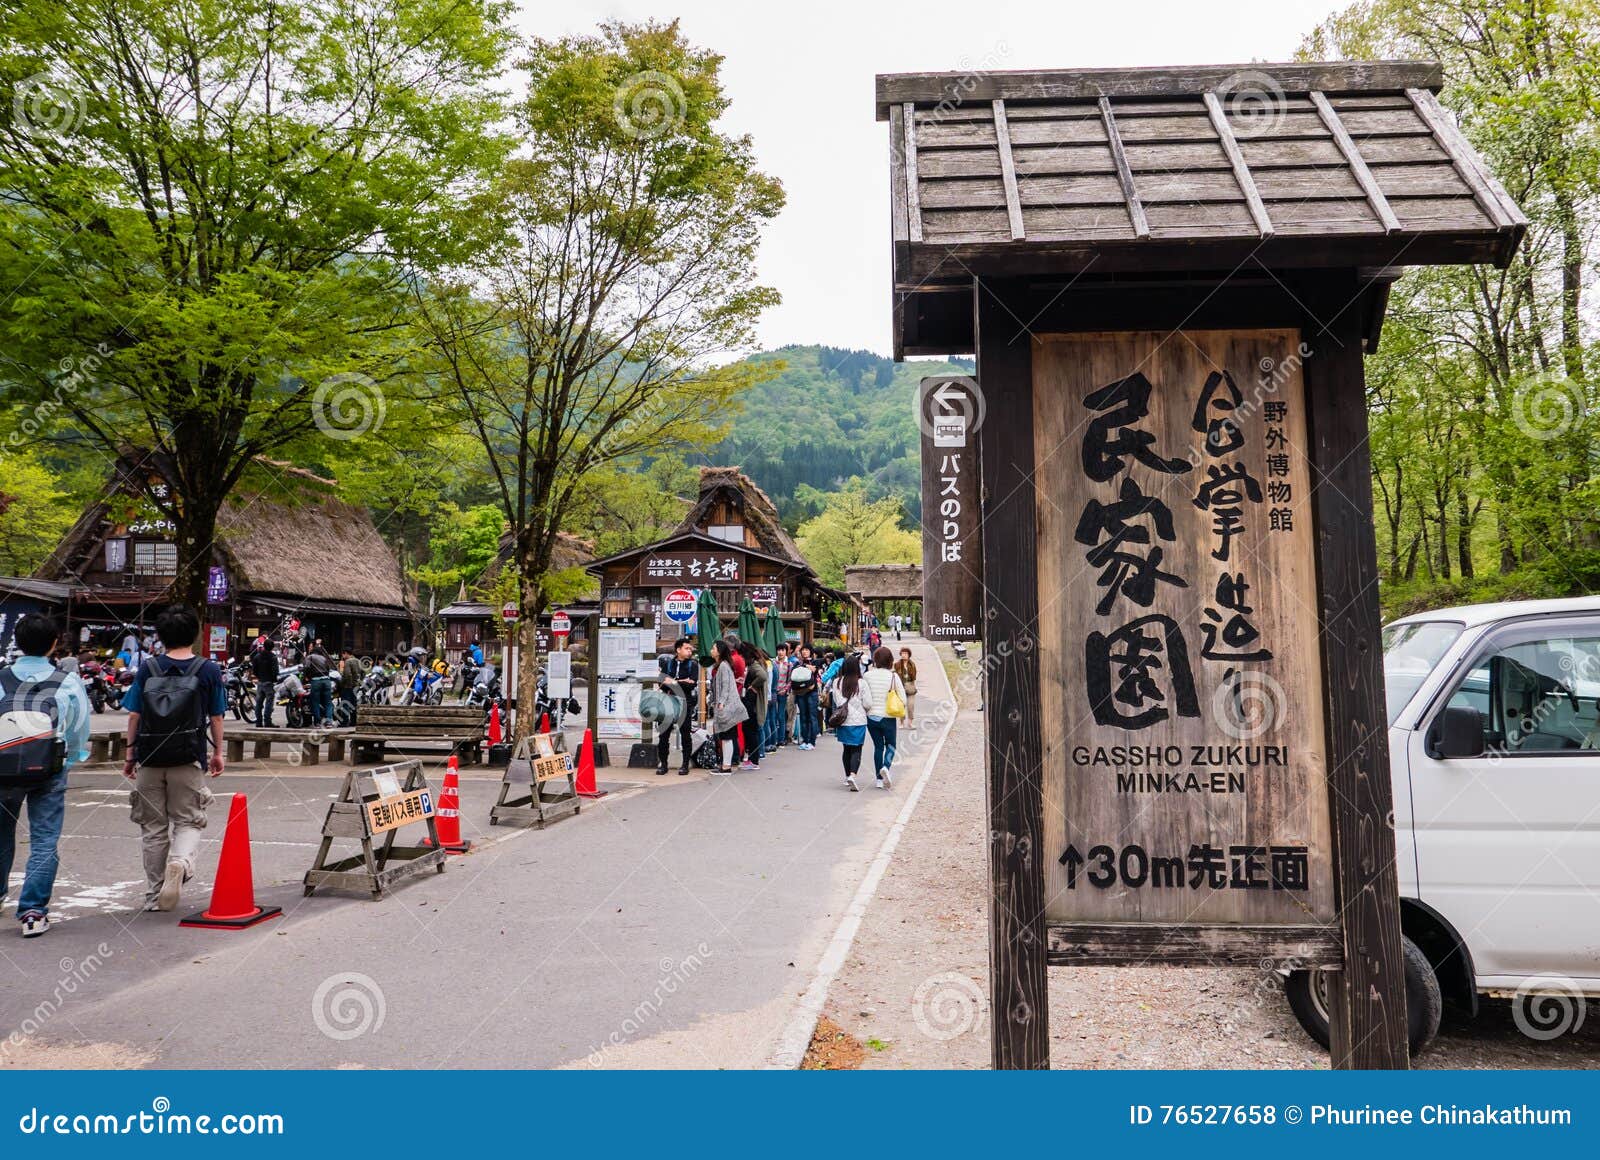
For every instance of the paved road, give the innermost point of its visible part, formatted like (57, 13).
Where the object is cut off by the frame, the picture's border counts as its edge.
(671, 923)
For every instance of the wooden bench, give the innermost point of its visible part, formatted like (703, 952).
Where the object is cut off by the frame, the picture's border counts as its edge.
(310, 742)
(379, 726)
(105, 747)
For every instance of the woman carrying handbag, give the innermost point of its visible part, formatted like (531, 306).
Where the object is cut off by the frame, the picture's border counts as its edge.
(886, 700)
(727, 707)
(847, 715)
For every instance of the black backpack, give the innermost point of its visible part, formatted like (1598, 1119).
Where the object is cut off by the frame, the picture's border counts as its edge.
(30, 752)
(172, 716)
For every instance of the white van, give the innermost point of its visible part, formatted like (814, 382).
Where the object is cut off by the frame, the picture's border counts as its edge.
(1494, 741)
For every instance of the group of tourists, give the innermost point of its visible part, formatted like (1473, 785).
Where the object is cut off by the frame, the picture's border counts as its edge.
(176, 705)
(303, 668)
(757, 704)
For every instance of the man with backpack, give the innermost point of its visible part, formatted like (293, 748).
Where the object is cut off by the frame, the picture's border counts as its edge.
(176, 701)
(44, 729)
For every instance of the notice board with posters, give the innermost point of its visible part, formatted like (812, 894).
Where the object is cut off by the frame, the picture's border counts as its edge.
(1182, 713)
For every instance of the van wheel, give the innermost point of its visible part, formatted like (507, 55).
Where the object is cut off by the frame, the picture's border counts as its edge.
(1307, 992)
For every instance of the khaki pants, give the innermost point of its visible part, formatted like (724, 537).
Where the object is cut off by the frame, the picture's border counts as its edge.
(169, 807)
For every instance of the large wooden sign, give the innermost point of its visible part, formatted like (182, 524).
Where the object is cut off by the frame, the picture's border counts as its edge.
(692, 568)
(950, 410)
(1184, 769)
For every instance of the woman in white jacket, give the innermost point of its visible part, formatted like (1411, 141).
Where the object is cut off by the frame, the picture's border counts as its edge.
(848, 692)
(878, 682)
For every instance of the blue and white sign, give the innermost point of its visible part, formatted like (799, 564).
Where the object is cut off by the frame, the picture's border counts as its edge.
(679, 605)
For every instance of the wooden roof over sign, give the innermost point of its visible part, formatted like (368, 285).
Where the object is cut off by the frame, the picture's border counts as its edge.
(1178, 169)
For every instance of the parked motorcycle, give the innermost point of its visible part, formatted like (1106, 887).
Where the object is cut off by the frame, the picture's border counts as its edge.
(97, 681)
(294, 698)
(237, 680)
(485, 690)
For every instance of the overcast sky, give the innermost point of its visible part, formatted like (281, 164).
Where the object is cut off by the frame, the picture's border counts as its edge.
(800, 78)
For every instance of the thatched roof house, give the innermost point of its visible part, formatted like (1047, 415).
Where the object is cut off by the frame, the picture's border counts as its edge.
(304, 555)
(732, 542)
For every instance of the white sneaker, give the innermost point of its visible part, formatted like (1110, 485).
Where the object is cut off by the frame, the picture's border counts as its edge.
(719, 772)
(887, 780)
(850, 780)
(34, 925)
(171, 887)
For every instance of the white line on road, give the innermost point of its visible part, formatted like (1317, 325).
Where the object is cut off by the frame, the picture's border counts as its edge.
(802, 1025)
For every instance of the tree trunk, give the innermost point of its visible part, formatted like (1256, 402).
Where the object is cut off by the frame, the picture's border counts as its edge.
(196, 536)
(1464, 535)
(533, 561)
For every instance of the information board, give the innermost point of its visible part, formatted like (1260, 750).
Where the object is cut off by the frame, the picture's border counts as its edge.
(1182, 710)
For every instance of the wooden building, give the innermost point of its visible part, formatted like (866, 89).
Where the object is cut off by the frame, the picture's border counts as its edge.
(873, 588)
(1169, 289)
(468, 618)
(732, 542)
(306, 557)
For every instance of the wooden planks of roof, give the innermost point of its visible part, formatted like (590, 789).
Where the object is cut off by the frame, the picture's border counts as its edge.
(1181, 169)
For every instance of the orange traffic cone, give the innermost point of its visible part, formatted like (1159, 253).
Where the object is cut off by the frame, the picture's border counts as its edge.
(586, 783)
(233, 898)
(495, 736)
(447, 814)
(544, 722)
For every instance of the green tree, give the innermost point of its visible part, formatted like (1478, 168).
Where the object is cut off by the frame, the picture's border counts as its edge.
(629, 505)
(210, 211)
(623, 265)
(35, 512)
(853, 529)
(1484, 431)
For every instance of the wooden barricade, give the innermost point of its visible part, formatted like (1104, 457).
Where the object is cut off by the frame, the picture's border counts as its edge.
(374, 804)
(539, 773)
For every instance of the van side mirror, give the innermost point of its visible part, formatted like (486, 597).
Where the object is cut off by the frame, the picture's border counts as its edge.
(1457, 732)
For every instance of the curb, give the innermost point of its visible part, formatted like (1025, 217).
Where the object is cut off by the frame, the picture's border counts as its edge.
(791, 1048)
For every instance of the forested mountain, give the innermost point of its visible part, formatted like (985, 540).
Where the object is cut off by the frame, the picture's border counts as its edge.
(830, 414)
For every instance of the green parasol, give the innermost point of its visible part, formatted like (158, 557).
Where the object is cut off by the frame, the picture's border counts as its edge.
(772, 631)
(749, 626)
(706, 625)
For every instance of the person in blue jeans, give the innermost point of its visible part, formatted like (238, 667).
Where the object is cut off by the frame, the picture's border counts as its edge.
(37, 637)
(804, 693)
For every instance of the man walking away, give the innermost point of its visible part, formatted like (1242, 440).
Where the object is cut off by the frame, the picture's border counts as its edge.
(175, 701)
(349, 680)
(319, 680)
(44, 729)
(680, 676)
(264, 667)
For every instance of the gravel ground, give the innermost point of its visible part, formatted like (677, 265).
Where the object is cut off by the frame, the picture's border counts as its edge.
(915, 988)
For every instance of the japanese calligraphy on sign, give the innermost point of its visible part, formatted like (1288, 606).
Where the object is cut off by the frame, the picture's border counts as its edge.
(952, 560)
(1185, 776)
(395, 810)
(693, 568)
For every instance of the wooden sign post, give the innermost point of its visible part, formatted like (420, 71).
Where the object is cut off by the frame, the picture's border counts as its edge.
(1169, 303)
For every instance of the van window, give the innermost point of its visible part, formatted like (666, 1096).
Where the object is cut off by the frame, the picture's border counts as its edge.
(1410, 652)
(1537, 696)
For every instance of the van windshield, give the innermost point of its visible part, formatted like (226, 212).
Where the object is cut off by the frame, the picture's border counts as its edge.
(1410, 652)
